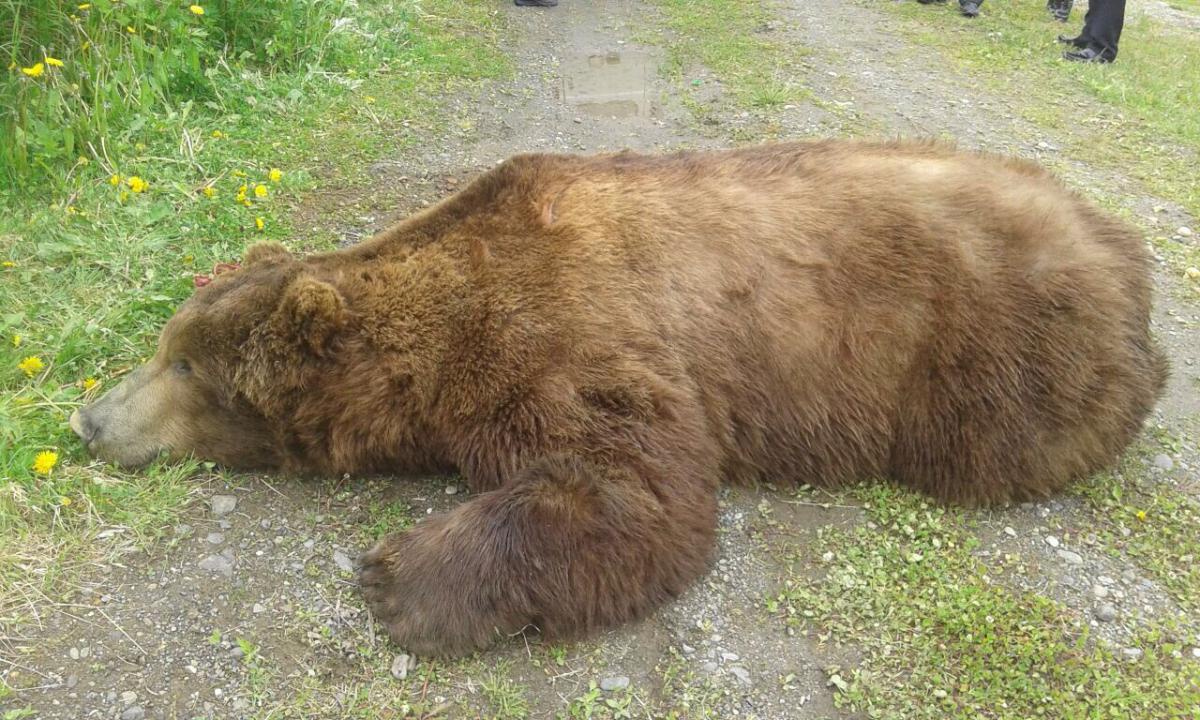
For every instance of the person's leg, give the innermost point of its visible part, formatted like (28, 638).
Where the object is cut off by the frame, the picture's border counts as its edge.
(970, 8)
(1105, 31)
(1102, 30)
(1060, 9)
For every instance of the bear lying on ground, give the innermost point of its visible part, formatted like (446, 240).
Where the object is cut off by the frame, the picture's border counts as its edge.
(596, 342)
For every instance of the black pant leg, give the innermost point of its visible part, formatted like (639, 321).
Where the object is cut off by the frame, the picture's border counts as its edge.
(1103, 24)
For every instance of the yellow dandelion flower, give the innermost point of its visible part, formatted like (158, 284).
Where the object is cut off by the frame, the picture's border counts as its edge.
(275, 175)
(34, 70)
(64, 500)
(1141, 515)
(209, 191)
(258, 223)
(114, 180)
(217, 134)
(129, 29)
(31, 365)
(238, 173)
(89, 383)
(45, 462)
(196, 9)
(83, 160)
(54, 62)
(260, 190)
(8, 264)
(84, 6)
(72, 210)
(247, 203)
(137, 184)
(16, 341)
(123, 196)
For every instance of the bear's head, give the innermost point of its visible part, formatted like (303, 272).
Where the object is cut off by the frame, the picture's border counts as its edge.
(228, 367)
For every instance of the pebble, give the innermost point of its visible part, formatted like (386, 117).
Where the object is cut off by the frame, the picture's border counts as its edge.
(1184, 231)
(217, 564)
(729, 657)
(343, 561)
(400, 666)
(1099, 591)
(74, 653)
(1105, 580)
(1132, 654)
(1106, 612)
(223, 504)
(128, 697)
(1052, 541)
(215, 538)
(133, 713)
(451, 489)
(709, 667)
(1010, 532)
(1164, 462)
(617, 682)
(741, 674)
(258, 608)
(237, 653)
(688, 649)
(1072, 557)
(1128, 576)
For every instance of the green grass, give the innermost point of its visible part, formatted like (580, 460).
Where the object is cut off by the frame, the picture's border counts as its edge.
(1151, 522)
(730, 39)
(505, 697)
(1137, 116)
(91, 269)
(941, 637)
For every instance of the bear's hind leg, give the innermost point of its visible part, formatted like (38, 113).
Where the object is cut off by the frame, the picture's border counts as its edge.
(567, 547)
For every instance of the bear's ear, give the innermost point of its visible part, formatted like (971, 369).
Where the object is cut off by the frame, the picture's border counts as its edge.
(310, 314)
(263, 251)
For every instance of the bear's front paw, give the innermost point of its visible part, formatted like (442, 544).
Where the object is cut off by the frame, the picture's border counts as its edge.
(430, 602)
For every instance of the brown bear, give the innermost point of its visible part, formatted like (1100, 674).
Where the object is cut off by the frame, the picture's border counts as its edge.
(596, 342)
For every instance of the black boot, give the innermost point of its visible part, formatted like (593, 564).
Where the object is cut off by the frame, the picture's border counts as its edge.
(1060, 9)
(1078, 41)
(969, 8)
(1089, 55)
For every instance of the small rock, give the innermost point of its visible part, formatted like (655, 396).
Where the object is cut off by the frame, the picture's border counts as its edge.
(217, 564)
(1010, 532)
(741, 673)
(729, 657)
(1196, 652)
(687, 649)
(223, 504)
(1105, 580)
(1184, 231)
(1106, 612)
(1052, 541)
(709, 667)
(128, 697)
(215, 538)
(343, 561)
(72, 681)
(618, 682)
(258, 608)
(1099, 591)
(1164, 462)
(1072, 557)
(1132, 654)
(400, 666)
(1128, 577)
(451, 489)
(74, 653)
(133, 713)
(237, 653)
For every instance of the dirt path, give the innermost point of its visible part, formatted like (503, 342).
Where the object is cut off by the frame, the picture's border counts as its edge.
(249, 609)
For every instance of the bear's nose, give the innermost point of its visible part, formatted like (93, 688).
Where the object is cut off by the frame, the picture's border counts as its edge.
(83, 427)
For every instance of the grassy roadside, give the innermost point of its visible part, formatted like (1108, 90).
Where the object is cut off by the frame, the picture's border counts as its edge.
(1136, 117)
(943, 637)
(96, 260)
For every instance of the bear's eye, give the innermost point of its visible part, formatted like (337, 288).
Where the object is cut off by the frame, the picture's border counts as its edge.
(182, 367)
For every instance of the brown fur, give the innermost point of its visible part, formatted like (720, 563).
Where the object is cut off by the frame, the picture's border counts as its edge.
(596, 342)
